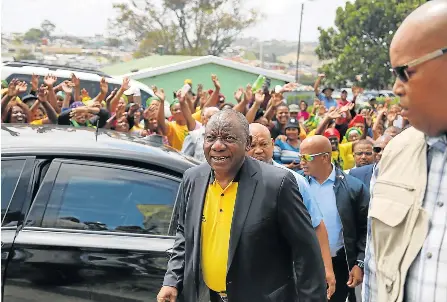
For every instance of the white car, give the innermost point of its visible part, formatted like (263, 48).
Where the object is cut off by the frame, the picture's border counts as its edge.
(89, 78)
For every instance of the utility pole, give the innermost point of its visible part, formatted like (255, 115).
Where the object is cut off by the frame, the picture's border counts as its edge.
(297, 75)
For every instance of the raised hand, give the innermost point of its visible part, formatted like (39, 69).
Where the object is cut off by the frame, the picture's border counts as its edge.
(50, 80)
(34, 82)
(334, 113)
(111, 95)
(67, 87)
(238, 94)
(248, 93)
(104, 86)
(289, 87)
(75, 80)
(259, 97)
(215, 81)
(160, 94)
(12, 87)
(21, 87)
(126, 83)
(42, 94)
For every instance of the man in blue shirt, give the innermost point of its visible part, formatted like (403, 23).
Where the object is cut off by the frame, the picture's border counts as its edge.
(343, 201)
(326, 94)
(262, 149)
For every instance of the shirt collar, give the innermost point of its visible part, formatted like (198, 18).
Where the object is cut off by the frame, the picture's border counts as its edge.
(235, 179)
(438, 142)
(331, 176)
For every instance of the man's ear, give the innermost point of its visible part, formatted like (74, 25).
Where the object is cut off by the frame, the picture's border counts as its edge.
(249, 140)
(273, 142)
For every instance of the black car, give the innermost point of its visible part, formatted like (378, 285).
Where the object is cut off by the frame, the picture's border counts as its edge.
(86, 215)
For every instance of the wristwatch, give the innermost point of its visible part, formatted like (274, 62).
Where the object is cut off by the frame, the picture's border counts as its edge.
(361, 264)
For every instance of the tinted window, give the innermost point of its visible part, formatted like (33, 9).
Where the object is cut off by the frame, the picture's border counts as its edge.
(110, 199)
(11, 170)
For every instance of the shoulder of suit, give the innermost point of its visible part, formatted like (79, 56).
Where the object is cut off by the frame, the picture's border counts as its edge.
(352, 181)
(364, 169)
(196, 171)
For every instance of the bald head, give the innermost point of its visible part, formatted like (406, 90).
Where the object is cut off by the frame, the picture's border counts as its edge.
(422, 94)
(257, 129)
(315, 144)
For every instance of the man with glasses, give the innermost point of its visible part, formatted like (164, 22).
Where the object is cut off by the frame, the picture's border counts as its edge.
(407, 247)
(343, 200)
(262, 146)
(363, 154)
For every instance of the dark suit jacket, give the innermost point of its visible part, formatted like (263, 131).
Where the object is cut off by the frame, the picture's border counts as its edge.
(363, 173)
(352, 200)
(271, 236)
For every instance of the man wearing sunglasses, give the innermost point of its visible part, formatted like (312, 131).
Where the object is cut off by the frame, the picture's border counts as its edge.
(262, 146)
(343, 201)
(407, 246)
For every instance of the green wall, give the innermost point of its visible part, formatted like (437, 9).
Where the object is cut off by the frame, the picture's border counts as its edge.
(229, 78)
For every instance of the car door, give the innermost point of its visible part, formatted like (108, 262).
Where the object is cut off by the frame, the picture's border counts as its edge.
(96, 231)
(15, 189)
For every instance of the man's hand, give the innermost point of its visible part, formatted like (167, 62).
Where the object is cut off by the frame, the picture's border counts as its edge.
(330, 280)
(34, 82)
(160, 94)
(238, 94)
(21, 87)
(75, 80)
(215, 81)
(67, 87)
(84, 93)
(355, 277)
(167, 293)
(321, 75)
(49, 80)
(42, 94)
(248, 93)
(104, 86)
(334, 113)
(259, 97)
(126, 84)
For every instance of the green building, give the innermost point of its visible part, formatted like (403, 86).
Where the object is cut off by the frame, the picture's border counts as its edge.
(170, 72)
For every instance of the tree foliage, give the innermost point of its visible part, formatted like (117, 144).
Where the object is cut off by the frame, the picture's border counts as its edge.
(359, 42)
(188, 27)
(47, 28)
(33, 35)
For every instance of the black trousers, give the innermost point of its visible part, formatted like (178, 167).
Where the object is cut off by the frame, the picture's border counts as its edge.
(341, 272)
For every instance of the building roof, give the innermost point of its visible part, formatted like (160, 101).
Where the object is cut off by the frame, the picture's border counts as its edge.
(198, 61)
(144, 63)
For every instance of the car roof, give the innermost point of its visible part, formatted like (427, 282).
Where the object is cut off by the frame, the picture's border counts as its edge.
(56, 140)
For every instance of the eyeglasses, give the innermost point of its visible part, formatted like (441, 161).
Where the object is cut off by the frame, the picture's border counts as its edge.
(377, 149)
(363, 153)
(310, 157)
(401, 71)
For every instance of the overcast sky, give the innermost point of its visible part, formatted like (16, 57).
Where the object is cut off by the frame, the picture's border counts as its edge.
(88, 17)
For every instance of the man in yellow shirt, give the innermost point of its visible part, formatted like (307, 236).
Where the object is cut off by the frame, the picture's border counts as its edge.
(243, 231)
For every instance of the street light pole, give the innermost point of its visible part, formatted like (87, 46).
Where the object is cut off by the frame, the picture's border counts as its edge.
(297, 75)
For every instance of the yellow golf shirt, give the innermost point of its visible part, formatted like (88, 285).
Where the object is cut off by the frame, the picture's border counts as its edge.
(216, 227)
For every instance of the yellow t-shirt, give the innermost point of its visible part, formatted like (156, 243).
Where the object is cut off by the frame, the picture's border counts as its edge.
(197, 116)
(37, 122)
(176, 134)
(216, 228)
(346, 157)
(311, 133)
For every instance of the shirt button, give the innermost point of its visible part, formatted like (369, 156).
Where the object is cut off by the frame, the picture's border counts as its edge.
(222, 194)
(440, 204)
(429, 255)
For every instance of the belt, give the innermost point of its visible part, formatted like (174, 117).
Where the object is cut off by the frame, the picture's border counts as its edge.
(221, 296)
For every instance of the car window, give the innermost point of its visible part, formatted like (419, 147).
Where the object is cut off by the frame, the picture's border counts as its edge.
(11, 171)
(110, 199)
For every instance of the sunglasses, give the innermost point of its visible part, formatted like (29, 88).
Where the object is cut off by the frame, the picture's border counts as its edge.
(377, 149)
(401, 71)
(363, 153)
(310, 157)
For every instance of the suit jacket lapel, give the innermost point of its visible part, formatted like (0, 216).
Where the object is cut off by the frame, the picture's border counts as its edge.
(246, 189)
(198, 196)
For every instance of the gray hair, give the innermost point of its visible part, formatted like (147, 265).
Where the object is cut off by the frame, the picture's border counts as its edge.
(226, 117)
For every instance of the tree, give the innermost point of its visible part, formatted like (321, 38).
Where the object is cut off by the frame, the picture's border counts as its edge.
(47, 28)
(190, 27)
(114, 42)
(33, 35)
(359, 42)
